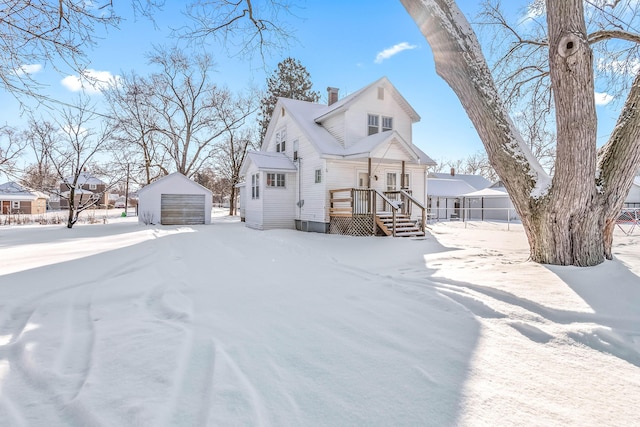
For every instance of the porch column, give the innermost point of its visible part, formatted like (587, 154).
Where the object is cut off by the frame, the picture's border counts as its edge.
(369, 172)
(402, 183)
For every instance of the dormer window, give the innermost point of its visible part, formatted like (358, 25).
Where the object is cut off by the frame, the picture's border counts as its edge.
(374, 124)
(387, 123)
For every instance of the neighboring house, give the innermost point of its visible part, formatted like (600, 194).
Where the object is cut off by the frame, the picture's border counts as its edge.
(174, 200)
(89, 189)
(15, 198)
(445, 193)
(329, 168)
(633, 198)
(491, 203)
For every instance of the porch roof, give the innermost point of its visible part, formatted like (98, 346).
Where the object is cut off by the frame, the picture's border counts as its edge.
(269, 161)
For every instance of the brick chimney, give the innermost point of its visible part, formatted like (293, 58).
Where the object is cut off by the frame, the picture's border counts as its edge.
(453, 172)
(332, 93)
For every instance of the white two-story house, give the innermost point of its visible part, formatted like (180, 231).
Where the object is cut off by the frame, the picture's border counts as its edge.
(349, 167)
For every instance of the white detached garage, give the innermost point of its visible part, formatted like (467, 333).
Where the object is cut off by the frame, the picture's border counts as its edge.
(174, 200)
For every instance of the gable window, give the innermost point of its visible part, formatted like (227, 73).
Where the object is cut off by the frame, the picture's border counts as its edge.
(281, 138)
(255, 186)
(387, 123)
(318, 176)
(275, 180)
(374, 124)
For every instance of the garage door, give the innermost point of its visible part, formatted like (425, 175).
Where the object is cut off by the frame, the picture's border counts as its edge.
(181, 209)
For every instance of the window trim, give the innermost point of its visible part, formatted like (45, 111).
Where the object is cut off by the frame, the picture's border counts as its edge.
(15, 204)
(318, 176)
(276, 180)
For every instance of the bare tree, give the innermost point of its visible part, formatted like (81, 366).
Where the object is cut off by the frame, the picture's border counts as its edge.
(230, 155)
(75, 154)
(132, 120)
(189, 112)
(40, 136)
(568, 218)
(243, 27)
(11, 147)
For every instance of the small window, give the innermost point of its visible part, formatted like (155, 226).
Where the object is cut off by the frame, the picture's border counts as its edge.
(405, 183)
(15, 204)
(255, 186)
(387, 123)
(374, 122)
(92, 186)
(275, 180)
(318, 176)
(282, 146)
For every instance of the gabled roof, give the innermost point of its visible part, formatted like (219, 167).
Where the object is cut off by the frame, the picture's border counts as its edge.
(343, 104)
(477, 182)
(326, 145)
(438, 187)
(14, 191)
(85, 178)
(268, 161)
(175, 175)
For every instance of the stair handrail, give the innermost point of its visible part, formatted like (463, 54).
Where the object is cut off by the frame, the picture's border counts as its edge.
(419, 205)
(394, 208)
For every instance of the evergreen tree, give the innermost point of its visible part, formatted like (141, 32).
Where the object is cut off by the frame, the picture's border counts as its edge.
(290, 80)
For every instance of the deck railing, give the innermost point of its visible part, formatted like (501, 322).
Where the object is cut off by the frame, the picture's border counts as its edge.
(350, 202)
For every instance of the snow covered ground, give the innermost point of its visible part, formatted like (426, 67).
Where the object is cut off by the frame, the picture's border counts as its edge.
(121, 324)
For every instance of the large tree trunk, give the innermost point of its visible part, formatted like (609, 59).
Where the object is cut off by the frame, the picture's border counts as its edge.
(568, 220)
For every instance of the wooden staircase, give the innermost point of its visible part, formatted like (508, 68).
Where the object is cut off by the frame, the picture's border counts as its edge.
(405, 226)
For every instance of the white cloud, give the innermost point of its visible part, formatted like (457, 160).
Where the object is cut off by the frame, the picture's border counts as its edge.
(389, 52)
(92, 81)
(630, 67)
(28, 69)
(602, 98)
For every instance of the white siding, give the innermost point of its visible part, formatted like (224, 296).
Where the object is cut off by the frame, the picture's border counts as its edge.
(314, 195)
(278, 204)
(356, 118)
(253, 207)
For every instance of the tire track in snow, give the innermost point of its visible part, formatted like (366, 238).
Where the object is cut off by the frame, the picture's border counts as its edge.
(76, 353)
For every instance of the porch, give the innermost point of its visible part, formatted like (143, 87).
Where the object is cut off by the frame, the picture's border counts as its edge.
(370, 212)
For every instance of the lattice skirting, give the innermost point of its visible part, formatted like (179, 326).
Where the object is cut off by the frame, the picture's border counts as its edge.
(357, 225)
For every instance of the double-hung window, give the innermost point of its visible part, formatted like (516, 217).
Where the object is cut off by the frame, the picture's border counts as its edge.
(275, 180)
(255, 186)
(318, 176)
(387, 123)
(281, 140)
(374, 124)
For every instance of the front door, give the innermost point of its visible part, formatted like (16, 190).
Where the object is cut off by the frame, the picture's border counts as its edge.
(363, 180)
(6, 207)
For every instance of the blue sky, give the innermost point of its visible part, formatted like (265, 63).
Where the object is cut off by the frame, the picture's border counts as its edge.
(344, 44)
